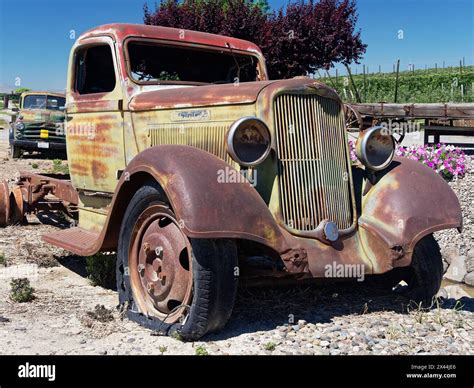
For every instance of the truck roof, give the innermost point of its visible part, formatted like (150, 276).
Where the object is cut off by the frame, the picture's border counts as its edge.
(42, 92)
(120, 31)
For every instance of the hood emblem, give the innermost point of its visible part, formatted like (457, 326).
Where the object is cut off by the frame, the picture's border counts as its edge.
(191, 115)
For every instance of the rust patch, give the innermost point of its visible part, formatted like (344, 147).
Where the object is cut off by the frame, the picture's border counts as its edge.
(99, 170)
(395, 209)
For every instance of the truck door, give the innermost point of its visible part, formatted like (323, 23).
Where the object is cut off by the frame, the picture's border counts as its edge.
(94, 122)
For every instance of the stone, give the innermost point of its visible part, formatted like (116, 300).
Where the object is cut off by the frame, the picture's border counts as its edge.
(470, 263)
(445, 266)
(443, 293)
(469, 279)
(455, 291)
(324, 344)
(457, 269)
(450, 253)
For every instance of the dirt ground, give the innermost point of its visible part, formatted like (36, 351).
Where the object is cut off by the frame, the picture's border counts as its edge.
(325, 319)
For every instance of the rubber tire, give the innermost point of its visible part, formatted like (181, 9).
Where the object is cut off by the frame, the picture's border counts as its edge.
(427, 273)
(423, 276)
(214, 281)
(15, 152)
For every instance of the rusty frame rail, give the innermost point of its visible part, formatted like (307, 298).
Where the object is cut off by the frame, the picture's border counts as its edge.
(33, 193)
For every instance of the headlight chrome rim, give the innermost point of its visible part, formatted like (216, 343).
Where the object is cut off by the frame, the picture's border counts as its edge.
(361, 148)
(230, 140)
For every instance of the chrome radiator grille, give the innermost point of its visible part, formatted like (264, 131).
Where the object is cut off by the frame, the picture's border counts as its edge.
(314, 181)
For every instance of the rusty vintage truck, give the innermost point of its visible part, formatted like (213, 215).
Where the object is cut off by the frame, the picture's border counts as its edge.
(39, 124)
(199, 171)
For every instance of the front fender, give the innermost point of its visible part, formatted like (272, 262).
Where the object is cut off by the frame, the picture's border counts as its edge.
(206, 205)
(408, 202)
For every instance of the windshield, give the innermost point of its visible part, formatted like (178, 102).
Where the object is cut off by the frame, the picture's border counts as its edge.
(150, 62)
(38, 101)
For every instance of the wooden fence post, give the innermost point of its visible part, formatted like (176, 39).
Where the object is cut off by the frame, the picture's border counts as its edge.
(396, 81)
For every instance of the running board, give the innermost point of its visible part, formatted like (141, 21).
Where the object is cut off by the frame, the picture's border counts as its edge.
(80, 241)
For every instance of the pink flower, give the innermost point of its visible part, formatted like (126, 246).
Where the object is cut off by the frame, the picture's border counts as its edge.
(448, 161)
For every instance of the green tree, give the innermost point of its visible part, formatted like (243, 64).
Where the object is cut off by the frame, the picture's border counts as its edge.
(296, 39)
(21, 90)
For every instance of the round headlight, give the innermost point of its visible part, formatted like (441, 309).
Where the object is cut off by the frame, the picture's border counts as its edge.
(19, 125)
(248, 141)
(375, 148)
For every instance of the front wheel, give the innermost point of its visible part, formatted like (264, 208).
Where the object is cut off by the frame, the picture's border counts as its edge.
(15, 152)
(170, 283)
(423, 276)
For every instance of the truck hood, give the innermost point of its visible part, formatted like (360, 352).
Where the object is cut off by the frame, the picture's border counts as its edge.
(212, 95)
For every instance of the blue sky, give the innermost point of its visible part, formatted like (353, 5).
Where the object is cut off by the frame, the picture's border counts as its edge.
(35, 34)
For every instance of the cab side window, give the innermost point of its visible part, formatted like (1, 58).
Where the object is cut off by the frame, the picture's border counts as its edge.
(95, 71)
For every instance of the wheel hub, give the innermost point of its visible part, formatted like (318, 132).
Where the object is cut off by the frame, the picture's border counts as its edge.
(161, 255)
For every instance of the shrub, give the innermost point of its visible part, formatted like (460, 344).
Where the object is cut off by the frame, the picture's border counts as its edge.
(352, 151)
(101, 270)
(270, 346)
(201, 351)
(21, 291)
(446, 160)
(59, 167)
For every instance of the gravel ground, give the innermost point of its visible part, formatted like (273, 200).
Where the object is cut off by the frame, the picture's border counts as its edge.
(458, 248)
(344, 318)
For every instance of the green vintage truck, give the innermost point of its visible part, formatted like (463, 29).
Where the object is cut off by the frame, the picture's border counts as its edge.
(39, 124)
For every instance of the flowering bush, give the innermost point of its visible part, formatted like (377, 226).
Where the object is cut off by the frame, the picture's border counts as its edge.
(446, 160)
(353, 151)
